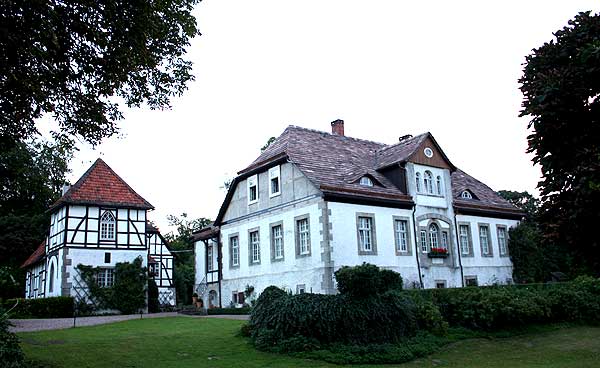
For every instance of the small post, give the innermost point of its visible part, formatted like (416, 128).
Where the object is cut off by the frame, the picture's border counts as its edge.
(74, 313)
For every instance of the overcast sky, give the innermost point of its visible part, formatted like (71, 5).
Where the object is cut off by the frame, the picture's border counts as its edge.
(387, 68)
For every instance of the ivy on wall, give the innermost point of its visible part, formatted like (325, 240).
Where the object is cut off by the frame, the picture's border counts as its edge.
(128, 292)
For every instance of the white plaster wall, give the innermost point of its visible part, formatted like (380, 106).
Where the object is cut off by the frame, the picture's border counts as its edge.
(489, 270)
(57, 262)
(345, 240)
(293, 270)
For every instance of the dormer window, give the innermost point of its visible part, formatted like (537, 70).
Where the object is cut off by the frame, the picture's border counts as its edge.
(107, 226)
(366, 181)
(466, 195)
(253, 189)
(274, 181)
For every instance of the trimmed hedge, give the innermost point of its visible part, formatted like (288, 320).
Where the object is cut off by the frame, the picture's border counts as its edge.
(230, 311)
(54, 307)
(500, 307)
(278, 318)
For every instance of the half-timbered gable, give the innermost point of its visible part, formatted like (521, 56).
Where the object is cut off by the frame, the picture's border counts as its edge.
(99, 221)
(160, 263)
(399, 206)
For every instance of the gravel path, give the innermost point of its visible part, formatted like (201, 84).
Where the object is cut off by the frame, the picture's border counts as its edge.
(25, 325)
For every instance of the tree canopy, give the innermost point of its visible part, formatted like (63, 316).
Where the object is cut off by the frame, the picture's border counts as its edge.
(77, 60)
(561, 88)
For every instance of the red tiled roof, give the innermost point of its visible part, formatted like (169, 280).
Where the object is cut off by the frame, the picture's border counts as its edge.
(100, 185)
(36, 256)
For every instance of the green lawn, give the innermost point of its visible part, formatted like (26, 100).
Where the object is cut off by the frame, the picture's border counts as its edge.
(208, 342)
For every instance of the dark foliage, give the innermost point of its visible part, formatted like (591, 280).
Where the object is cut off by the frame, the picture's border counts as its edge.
(561, 87)
(54, 307)
(127, 295)
(11, 355)
(231, 311)
(365, 280)
(74, 59)
(153, 306)
(278, 316)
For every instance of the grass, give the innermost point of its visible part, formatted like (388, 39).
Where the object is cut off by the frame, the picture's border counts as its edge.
(209, 342)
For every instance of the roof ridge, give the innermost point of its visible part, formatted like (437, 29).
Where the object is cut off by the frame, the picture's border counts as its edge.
(404, 141)
(333, 135)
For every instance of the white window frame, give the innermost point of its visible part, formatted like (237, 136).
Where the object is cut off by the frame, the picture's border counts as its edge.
(234, 246)
(438, 185)
(365, 233)
(465, 244)
(105, 277)
(484, 240)
(445, 241)
(366, 181)
(303, 228)
(502, 240)
(209, 258)
(108, 226)
(252, 182)
(428, 182)
(274, 174)
(254, 246)
(423, 240)
(277, 235)
(418, 182)
(466, 195)
(434, 231)
(401, 229)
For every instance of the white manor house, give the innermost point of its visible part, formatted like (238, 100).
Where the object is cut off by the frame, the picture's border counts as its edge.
(313, 202)
(99, 221)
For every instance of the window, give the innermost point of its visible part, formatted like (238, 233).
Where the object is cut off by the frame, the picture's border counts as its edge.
(428, 152)
(365, 233)
(418, 182)
(107, 257)
(465, 242)
(440, 284)
(428, 182)
(107, 226)
(366, 181)
(466, 195)
(254, 247)
(300, 289)
(252, 189)
(401, 228)
(277, 241)
(423, 241)
(105, 277)
(51, 281)
(209, 258)
(155, 269)
(275, 181)
(234, 246)
(471, 281)
(438, 185)
(484, 240)
(433, 236)
(502, 240)
(302, 229)
(445, 240)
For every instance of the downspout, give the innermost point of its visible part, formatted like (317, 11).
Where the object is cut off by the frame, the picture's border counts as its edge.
(462, 276)
(417, 245)
(220, 265)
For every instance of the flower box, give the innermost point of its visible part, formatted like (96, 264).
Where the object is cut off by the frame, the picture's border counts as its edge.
(438, 253)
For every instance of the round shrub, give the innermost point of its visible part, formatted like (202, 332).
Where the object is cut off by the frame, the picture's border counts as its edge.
(366, 280)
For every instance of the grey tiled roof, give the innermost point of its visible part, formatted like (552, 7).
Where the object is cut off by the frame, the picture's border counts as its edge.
(336, 163)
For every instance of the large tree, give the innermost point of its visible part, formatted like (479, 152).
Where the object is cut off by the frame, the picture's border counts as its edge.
(561, 88)
(77, 60)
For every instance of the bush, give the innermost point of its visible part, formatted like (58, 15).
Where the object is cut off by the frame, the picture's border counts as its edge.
(366, 280)
(11, 355)
(153, 306)
(54, 307)
(329, 319)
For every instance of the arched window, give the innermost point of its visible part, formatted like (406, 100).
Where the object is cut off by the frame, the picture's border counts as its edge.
(433, 236)
(366, 181)
(438, 185)
(466, 195)
(418, 182)
(51, 281)
(107, 226)
(428, 182)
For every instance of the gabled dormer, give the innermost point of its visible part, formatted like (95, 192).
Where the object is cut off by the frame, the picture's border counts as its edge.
(99, 211)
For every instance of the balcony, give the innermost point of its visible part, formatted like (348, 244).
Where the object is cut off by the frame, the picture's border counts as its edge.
(438, 253)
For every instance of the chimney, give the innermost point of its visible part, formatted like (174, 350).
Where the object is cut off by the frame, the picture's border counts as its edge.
(404, 137)
(337, 127)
